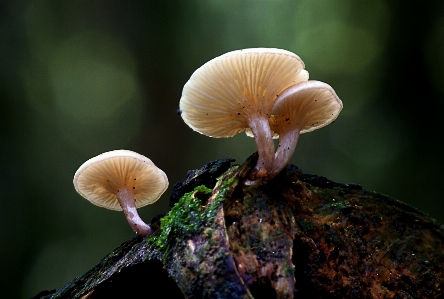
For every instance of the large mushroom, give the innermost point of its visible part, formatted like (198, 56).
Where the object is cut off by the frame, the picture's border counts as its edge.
(122, 180)
(236, 92)
(299, 109)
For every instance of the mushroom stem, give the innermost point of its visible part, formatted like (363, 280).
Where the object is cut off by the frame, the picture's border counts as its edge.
(126, 200)
(264, 142)
(285, 150)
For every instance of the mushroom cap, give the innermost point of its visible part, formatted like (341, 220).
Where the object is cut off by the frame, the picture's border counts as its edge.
(221, 95)
(307, 106)
(99, 178)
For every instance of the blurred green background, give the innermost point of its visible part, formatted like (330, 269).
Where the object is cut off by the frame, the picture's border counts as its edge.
(79, 78)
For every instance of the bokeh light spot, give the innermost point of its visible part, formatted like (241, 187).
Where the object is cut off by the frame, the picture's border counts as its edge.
(336, 47)
(92, 77)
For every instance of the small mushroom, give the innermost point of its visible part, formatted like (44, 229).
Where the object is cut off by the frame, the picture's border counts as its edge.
(299, 109)
(122, 180)
(236, 91)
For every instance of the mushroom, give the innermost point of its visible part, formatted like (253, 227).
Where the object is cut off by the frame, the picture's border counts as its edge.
(236, 91)
(299, 109)
(122, 180)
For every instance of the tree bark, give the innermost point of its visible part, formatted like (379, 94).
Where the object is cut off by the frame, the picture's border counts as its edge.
(297, 236)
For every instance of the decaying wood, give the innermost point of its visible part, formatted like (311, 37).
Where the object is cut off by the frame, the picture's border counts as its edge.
(298, 236)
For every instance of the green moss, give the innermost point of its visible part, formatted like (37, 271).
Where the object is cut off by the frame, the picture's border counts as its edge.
(304, 224)
(188, 216)
(333, 208)
(184, 217)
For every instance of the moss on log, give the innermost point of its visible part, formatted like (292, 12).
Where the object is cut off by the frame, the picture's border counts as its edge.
(298, 236)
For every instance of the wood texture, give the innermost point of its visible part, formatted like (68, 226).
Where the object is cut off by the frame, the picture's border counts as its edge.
(298, 236)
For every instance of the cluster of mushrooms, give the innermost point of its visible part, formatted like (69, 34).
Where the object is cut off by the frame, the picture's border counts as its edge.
(263, 91)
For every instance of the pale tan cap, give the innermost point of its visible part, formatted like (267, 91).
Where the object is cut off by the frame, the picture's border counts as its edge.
(99, 179)
(223, 93)
(307, 106)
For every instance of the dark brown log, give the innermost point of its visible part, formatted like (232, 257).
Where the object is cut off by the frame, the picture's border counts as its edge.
(298, 236)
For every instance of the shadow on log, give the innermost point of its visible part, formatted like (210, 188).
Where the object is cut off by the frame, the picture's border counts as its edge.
(298, 236)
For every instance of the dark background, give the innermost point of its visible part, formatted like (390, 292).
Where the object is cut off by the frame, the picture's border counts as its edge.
(78, 78)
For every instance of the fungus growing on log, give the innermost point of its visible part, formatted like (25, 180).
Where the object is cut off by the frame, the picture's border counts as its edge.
(301, 108)
(122, 180)
(236, 92)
